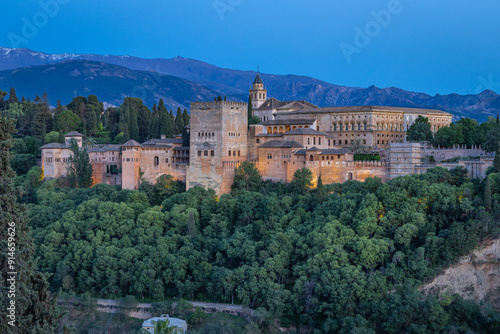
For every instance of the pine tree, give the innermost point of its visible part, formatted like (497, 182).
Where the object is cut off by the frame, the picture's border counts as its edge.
(44, 130)
(12, 96)
(42, 115)
(35, 307)
(179, 121)
(487, 194)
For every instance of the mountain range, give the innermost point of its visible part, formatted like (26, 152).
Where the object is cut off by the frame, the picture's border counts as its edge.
(182, 80)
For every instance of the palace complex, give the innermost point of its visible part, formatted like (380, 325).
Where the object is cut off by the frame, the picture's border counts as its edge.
(291, 135)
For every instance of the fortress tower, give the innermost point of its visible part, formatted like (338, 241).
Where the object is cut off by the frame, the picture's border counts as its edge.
(258, 93)
(218, 132)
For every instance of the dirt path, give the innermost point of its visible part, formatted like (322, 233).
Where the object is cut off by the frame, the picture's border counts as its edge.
(143, 310)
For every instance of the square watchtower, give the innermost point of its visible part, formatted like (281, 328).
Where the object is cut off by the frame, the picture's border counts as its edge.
(218, 132)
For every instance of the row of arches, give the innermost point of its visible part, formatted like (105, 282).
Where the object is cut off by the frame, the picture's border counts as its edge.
(283, 129)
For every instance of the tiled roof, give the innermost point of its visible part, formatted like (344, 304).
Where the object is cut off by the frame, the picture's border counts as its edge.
(281, 143)
(307, 121)
(162, 142)
(132, 142)
(105, 148)
(269, 135)
(183, 148)
(323, 152)
(273, 103)
(54, 145)
(258, 79)
(305, 131)
(364, 109)
(73, 134)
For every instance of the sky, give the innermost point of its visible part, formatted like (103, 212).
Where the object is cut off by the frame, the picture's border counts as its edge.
(429, 46)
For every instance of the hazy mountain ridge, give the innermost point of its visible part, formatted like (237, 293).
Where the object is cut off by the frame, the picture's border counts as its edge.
(111, 83)
(284, 87)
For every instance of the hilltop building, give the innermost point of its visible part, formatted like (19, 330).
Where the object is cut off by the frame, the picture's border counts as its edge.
(292, 135)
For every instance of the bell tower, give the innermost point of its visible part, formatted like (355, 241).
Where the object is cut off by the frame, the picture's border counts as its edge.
(258, 92)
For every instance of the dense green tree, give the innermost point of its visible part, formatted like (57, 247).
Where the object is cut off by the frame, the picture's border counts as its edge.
(302, 181)
(320, 191)
(22, 163)
(51, 137)
(35, 308)
(79, 167)
(420, 130)
(492, 140)
(247, 177)
(67, 121)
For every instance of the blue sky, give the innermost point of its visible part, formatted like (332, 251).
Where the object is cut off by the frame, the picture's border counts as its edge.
(446, 46)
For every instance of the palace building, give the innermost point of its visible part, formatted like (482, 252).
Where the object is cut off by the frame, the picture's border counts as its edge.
(292, 135)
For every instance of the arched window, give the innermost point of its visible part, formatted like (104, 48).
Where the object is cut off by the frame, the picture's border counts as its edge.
(350, 176)
(156, 161)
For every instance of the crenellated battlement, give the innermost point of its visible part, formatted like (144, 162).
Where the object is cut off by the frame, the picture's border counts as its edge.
(212, 104)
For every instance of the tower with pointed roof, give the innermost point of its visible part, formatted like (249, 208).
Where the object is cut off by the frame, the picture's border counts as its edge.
(258, 92)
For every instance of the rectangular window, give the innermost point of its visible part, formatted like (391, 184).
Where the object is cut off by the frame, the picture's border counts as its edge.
(258, 140)
(212, 153)
(166, 160)
(359, 127)
(199, 153)
(229, 152)
(352, 127)
(234, 153)
(269, 155)
(238, 152)
(205, 153)
(365, 126)
(319, 141)
(314, 140)
(128, 159)
(338, 156)
(334, 127)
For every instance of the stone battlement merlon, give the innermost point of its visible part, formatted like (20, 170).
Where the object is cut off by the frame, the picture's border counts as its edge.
(209, 104)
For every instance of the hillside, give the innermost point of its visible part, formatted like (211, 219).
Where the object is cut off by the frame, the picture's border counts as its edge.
(284, 87)
(475, 276)
(111, 83)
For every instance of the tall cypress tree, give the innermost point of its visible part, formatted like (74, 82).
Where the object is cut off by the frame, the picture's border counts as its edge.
(185, 117)
(320, 191)
(166, 123)
(487, 194)
(496, 161)
(154, 130)
(35, 308)
(250, 110)
(179, 121)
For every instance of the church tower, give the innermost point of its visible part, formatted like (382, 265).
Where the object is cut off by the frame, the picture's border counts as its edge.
(258, 93)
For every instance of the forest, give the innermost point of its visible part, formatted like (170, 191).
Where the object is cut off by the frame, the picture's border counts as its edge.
(339, 258)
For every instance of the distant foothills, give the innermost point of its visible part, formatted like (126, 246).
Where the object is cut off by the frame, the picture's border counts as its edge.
(179, 81)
